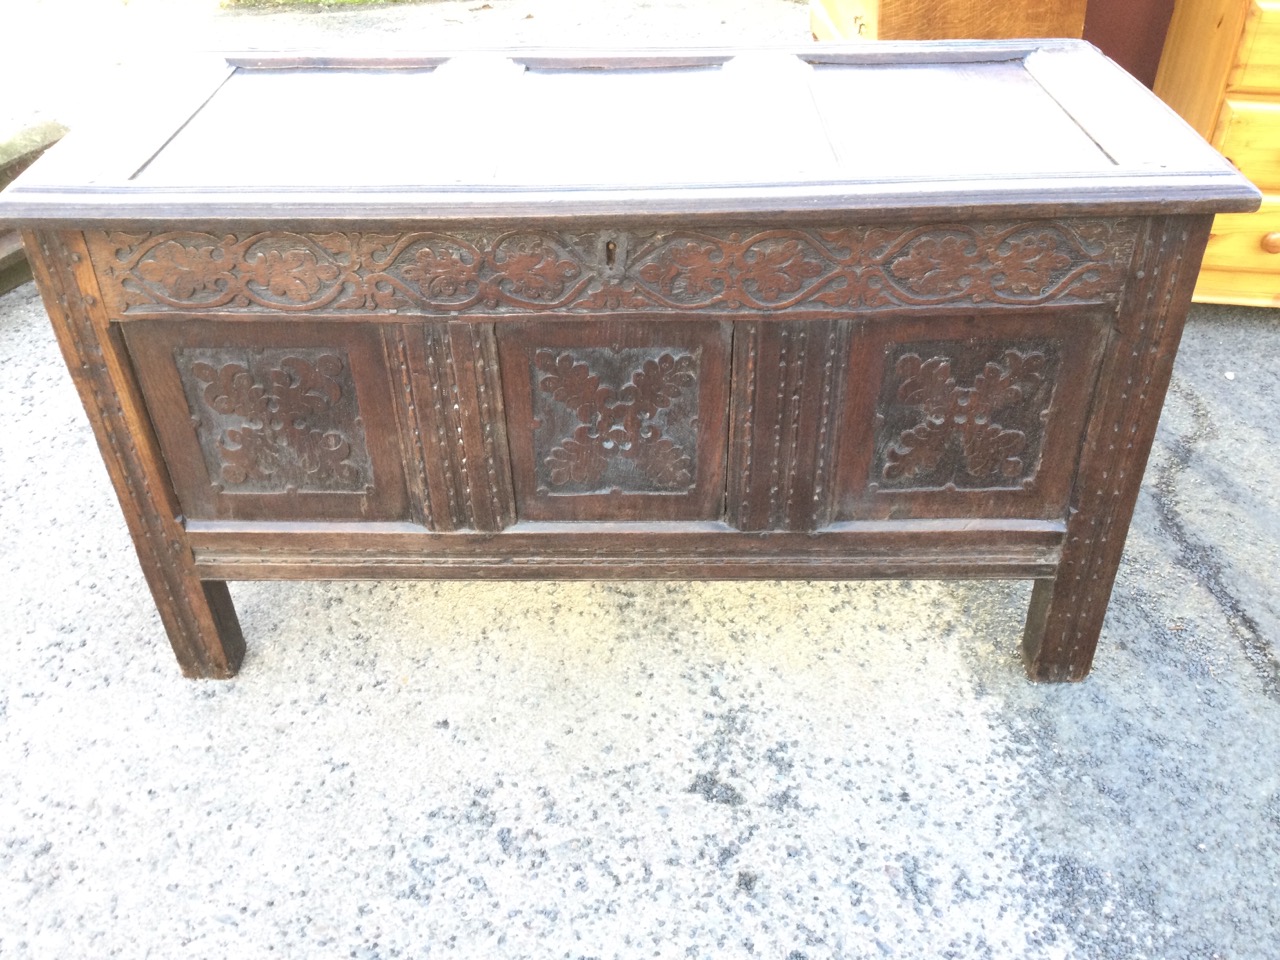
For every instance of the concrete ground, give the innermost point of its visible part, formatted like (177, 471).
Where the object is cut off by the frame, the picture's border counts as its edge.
(781, 770)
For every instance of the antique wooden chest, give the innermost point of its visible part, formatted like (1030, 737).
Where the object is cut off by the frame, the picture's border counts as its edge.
(885, 311)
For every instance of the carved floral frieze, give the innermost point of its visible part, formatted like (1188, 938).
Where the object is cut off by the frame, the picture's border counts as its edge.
(523, 271)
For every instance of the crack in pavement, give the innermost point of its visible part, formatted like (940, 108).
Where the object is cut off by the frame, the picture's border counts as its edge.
(1200, 558)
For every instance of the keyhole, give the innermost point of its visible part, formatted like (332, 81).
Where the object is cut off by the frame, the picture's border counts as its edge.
(610, 253)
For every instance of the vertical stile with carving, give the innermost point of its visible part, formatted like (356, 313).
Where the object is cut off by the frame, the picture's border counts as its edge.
(781, 440)
(746, 355)
(410, 426)
(198, 616)
(832, 351)
(467, 473)
(492, 429)
(428, 365)
(1067, 612)
(790, 363)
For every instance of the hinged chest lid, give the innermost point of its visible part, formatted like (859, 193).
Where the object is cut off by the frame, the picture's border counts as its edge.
(893, 128)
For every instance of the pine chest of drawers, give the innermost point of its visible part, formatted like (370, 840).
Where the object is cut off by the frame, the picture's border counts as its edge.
(897, 310)
(1221, 71)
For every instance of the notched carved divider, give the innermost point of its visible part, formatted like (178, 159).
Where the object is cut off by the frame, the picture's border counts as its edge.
(413, 445)
(455, 419)
(782, 443)
(497, 272)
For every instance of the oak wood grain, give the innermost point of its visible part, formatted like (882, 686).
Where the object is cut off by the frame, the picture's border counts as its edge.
(1084, 141)
(926, 335)
(197, 612)
(632, 550)
(1066, 613)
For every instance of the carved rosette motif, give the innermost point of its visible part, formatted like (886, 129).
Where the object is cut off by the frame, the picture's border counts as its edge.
(636, 438)
(963, 417)
(276, 421)
(523, 271)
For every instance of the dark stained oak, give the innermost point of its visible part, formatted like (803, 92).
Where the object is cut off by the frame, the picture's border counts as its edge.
(197, 613)
(881, 311)
(1067, 612)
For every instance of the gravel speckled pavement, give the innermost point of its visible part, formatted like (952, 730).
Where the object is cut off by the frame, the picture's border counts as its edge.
(667, 770)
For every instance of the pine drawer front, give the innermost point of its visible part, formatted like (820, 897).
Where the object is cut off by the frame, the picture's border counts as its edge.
(1257, 67)
(1242, 260)
(1221, 71)
(1249, 136)
(1249, 242)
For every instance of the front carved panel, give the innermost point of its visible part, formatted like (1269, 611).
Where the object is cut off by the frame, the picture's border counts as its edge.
(623, 420)
(278, 420)
(274, 422)
(616, 420)
(969, 416)
(979, 415)
(499, 272)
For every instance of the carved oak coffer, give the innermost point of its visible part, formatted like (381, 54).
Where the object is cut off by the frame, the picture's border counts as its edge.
(893, 310)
